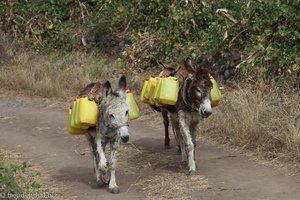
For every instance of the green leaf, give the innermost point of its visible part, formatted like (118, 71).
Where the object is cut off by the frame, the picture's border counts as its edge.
(5, 178)
(23, 167)
(13, 167)
(2, 165)
(36, 185)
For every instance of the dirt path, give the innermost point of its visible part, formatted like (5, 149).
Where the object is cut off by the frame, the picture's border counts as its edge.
(37, 129)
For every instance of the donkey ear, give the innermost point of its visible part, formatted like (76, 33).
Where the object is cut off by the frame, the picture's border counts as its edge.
(122, 86)
(122, 82)
(188, 65)
(203, 64)
(203, 72)
(107, 89)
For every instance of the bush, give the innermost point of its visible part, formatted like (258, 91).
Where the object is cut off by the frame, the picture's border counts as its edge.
(46, 23)
(264, 32)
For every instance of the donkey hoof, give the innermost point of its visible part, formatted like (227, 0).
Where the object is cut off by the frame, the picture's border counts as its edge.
(167, 146)
(191, 173)
(100, 183)
(115, 190)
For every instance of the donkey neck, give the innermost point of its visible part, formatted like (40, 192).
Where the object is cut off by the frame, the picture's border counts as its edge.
(185, 100)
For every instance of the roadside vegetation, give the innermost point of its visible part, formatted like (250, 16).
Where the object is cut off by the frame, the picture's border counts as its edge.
(258, 118)
(19, 177)
(54, 48)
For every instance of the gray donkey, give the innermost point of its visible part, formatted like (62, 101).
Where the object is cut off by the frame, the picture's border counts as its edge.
(111, 128)
(194, 102)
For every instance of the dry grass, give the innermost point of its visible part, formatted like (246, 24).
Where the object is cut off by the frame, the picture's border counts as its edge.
(62, 74)
(172, 186)
(259, 118)
(56, 74)
(30, 174)
(160, 175)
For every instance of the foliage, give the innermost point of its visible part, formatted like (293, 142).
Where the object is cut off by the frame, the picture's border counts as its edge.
(265, 32)
(7, 180)
(44, 23)
(12, 178)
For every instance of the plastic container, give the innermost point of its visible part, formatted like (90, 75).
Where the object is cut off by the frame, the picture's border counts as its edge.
(74, 117)
(73, 114)
(155, 95)
(215, 93)
(167, 91)
(77, 124)
(142, 97)
(152, 85)
(71, 130)
(134, 111)
(87, 112)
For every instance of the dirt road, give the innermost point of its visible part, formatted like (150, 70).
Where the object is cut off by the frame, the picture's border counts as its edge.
(37, 129)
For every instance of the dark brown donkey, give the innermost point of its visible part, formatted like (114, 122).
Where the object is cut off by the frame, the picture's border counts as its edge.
(194, 102)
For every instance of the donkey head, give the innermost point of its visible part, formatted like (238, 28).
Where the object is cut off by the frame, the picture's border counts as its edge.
(113, 112)
(199, 87)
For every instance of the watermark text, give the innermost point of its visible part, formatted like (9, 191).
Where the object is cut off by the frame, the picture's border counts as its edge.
(35, 195)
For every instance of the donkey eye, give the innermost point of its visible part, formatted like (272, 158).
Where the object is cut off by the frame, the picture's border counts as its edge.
(112, 116)
(126, 112)
(198, 94)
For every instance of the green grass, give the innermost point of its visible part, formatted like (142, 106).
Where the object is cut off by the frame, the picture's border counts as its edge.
(17, 178)
(7, 179)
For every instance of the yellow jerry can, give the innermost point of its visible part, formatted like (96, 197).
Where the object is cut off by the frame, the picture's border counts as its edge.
(168, 90)
(71, 130)
(215, 93)
(134, 111)
(153, 84)
(155, 95)
(142, 97)
(87, 112)
(74, 117)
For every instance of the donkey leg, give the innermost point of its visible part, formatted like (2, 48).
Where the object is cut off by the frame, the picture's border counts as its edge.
(182, 150)
(102, 163)
(113, 187)
(184, 129)
(95, 156)
(179, 138)
(166, 124)
(194, 126)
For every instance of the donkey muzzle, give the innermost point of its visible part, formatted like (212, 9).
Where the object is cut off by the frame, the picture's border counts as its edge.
(125, 139)
(124, 135)
(205, 113)
(205, 109)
